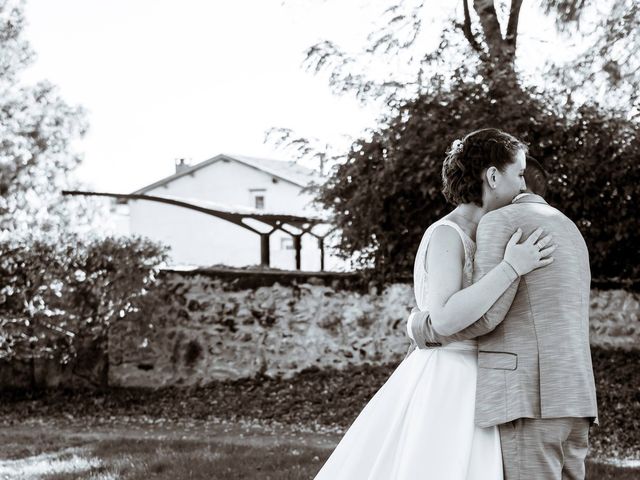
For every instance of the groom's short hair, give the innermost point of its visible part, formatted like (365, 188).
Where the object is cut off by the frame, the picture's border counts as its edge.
(468, 158)
(535, 177)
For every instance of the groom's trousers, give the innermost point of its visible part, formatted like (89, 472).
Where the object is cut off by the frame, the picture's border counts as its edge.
(545, 448)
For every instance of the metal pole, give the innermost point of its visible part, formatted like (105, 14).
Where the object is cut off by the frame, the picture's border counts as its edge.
(321, 246)
(264, 250)
(297, 244)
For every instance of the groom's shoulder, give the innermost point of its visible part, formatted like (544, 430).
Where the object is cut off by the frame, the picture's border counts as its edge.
(523, 214)
(499, 215)
(518, 210)
(497, 225)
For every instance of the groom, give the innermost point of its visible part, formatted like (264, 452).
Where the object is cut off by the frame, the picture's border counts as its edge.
(535, 379)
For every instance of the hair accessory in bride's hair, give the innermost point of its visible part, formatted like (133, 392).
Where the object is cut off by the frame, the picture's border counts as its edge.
(456, 147)
(468, 157)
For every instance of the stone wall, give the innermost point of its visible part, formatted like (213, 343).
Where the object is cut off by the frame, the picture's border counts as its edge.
(211, 329)
(615, 319)
(221, 325)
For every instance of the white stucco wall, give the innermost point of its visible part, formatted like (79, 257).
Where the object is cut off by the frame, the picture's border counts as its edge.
(200, 239)
(229, 182)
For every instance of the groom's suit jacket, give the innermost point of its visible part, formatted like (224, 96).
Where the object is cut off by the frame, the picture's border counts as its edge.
(534, 358)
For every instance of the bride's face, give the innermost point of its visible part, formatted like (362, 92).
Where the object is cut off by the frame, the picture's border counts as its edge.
(503, 186)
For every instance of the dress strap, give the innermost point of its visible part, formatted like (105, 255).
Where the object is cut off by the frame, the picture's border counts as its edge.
(421, 257)
(457, 227)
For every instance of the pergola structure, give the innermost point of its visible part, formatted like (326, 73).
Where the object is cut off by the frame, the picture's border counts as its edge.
(262, 224)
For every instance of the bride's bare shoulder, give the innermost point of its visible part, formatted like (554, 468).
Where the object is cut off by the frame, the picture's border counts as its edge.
(445, 238)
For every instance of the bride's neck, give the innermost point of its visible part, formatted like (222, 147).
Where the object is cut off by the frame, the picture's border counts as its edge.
(470, 212)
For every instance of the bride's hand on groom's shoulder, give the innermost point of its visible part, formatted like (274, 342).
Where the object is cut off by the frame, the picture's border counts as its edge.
(533, 253)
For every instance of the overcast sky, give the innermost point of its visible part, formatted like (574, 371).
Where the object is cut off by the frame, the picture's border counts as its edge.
(163, 79)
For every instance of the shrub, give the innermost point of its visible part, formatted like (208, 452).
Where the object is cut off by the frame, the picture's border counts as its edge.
(60, 293)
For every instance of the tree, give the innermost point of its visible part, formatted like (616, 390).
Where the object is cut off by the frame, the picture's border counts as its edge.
(386, 189)
(473, 34)
(389, 189)
(608, 68)
(60, 289)
(38, 128)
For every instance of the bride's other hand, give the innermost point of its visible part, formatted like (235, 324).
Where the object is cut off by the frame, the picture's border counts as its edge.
(530, 254)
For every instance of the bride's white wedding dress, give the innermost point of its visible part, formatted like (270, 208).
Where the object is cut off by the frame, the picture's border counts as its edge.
(419, 424)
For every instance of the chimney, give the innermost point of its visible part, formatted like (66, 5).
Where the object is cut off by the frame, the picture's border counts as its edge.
(181, 166)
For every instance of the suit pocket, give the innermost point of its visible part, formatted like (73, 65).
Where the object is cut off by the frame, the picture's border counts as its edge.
(497, 360)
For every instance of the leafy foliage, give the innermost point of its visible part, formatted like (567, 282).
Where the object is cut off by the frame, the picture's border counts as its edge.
(602, 38)
(57, 295)
(61, 284)
(385, 191)
(608, 67)
(388, 191)
(37, 131)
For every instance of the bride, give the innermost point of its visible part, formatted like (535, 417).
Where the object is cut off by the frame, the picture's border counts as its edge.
(420, 423)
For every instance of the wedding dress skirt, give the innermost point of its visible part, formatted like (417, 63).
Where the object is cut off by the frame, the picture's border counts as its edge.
(419, 425)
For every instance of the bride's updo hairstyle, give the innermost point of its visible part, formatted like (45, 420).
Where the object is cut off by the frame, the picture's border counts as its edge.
(468, 158)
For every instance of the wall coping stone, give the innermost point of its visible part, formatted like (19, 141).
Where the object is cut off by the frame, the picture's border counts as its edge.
(237, 279)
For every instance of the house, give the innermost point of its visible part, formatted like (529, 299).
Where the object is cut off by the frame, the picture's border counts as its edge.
(235, 184)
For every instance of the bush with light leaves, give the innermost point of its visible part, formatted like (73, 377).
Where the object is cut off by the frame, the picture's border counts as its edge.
(59, 292)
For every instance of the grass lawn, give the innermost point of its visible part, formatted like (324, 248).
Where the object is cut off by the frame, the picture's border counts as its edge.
(57, 458)
(64, 456)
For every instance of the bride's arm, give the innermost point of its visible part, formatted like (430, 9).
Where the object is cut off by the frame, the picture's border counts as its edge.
(453, 308)
(493, 233)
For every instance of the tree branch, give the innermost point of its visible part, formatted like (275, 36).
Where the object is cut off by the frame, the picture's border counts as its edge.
(466, 28)
(512, 26)
(490, 26)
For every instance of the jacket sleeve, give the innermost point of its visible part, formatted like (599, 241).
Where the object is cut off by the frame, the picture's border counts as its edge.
(492, 236)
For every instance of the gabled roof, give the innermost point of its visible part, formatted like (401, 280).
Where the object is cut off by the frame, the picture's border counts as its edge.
(288, 171)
